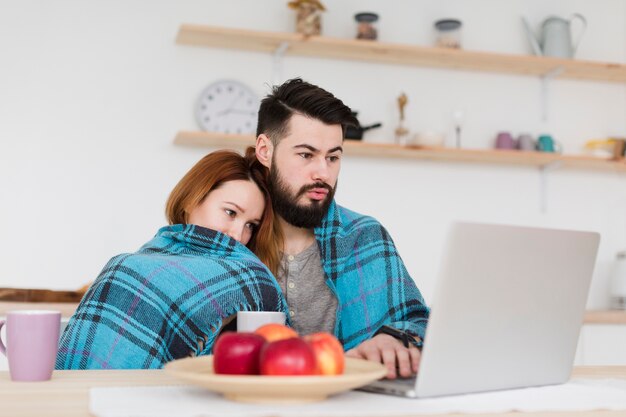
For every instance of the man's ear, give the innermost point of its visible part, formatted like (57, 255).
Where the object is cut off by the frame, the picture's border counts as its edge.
(264, 150)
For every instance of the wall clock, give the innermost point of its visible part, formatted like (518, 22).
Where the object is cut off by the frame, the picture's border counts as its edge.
(227, 106)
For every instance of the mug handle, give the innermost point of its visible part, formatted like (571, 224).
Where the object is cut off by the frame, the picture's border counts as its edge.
(558, 148)
(580, 35)
(3, 349)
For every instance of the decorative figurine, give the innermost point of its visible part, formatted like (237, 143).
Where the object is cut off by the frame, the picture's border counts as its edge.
(401, 131)
(308, 17)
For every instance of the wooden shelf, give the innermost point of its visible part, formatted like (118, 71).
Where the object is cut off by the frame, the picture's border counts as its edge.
(605, 317)
(393, 53)
(383, 150)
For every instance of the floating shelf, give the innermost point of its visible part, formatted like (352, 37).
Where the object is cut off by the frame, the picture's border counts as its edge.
(605, 317)
(383, 150)
(393, 53)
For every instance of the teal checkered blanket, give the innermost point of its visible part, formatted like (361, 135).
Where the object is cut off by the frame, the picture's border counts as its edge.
(166, 301)
(365, 271)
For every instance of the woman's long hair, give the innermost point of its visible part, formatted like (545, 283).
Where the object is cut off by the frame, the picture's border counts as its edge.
(208, 174)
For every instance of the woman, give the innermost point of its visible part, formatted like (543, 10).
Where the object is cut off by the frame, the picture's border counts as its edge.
(170, 299)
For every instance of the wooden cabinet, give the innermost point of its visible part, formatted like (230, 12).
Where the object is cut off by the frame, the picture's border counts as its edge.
(602, 339)
(602, 344)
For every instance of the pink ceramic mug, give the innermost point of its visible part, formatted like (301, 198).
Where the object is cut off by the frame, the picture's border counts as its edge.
(504, 140)
(32, 343)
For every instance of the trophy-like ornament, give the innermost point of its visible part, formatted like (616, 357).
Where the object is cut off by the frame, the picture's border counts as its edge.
(401, 131)
(308, 17)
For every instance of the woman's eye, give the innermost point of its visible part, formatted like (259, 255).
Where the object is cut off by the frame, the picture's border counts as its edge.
(230, 213)
(252, 226)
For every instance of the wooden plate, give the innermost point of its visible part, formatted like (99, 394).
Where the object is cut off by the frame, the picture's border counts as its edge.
(275, 389)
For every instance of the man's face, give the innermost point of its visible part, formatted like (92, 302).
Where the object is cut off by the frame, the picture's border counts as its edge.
(304, 170)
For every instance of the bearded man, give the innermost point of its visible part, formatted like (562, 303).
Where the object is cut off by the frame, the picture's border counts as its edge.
(340, 271)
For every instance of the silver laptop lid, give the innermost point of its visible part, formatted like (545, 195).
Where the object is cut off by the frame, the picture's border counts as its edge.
(507, 309)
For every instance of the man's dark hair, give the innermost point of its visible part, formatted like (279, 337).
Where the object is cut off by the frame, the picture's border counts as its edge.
(298, 96)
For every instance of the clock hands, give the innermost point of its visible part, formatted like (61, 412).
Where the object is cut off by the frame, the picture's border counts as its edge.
(237, 111)
(232, 104)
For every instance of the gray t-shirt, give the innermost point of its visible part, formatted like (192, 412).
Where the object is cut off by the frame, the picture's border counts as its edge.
(312, 305)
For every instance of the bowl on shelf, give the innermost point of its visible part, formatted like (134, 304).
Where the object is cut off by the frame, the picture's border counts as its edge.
(428, 139)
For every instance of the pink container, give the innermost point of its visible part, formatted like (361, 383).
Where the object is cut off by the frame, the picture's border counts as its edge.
(32, 343)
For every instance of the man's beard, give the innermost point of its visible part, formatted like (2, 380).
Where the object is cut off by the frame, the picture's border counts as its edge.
(285, 204)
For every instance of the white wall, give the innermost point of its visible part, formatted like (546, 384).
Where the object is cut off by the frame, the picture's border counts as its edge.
(93, 92)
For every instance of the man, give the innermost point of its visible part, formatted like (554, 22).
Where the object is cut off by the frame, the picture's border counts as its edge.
(341, 272)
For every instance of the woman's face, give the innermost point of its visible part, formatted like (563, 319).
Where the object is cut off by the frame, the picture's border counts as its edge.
(235, 209)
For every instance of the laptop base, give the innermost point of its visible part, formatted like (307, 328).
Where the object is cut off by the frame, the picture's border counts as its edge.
(401, 387)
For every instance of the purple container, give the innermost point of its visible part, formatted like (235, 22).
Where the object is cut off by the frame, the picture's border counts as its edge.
(504, 140)
(32, 343)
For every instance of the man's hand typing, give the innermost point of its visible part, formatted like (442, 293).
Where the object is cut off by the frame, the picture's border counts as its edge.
(389, 351)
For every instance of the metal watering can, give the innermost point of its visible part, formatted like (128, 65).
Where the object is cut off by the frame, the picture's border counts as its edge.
(555, 37)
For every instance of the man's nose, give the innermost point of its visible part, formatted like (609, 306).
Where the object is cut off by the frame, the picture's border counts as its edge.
(321, 172)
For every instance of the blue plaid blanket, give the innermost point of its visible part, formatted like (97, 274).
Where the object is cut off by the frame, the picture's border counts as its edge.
(166, 301)
(364, 270)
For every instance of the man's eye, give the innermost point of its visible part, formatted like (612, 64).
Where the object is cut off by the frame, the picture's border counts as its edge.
(306, 155)
(333, 158)
(230, 213)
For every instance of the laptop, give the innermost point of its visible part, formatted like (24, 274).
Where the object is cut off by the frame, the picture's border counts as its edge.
(506, 313)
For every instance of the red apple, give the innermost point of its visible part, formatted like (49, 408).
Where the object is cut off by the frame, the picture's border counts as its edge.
(328, 353)
(274, 331)
(237, 353)
(291, 356)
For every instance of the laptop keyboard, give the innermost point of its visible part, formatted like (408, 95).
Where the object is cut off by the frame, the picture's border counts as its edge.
(410, 381)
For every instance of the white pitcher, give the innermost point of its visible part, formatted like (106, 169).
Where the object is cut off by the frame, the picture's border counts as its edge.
(555, 37)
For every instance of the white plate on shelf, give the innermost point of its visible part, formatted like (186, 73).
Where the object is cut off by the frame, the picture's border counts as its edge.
(275, 389)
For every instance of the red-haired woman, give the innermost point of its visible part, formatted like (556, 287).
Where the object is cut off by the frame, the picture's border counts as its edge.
(171, 298)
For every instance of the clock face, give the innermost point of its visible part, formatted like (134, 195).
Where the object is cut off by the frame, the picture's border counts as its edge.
(227, 107)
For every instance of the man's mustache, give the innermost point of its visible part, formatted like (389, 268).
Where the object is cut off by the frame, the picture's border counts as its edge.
(313, 186)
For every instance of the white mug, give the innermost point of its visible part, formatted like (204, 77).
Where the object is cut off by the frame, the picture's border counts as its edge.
(249, 321)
